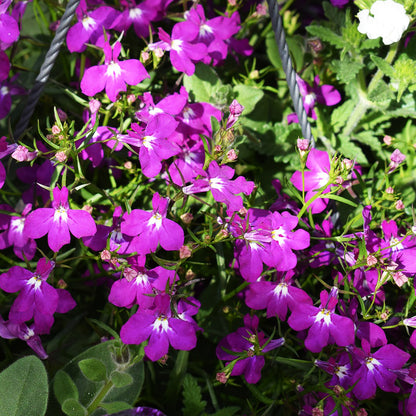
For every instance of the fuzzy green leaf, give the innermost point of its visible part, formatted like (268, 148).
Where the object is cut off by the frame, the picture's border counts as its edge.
(327, 35)
(341, 114)
(382, 65)
(64, 388)
(202, 85)
(93, 369)
(227, 411)
(72, 407)
(192, 398)
(24, 388)
(248, 97)
(115, 407)
(346, 69)
(120, 379)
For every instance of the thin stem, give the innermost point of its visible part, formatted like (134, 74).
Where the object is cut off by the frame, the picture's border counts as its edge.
(100, 396)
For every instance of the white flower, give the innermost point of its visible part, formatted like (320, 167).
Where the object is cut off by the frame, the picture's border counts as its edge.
(386, 19)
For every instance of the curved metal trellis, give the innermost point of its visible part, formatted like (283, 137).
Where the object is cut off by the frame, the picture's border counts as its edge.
(280, 38)
(46, 67)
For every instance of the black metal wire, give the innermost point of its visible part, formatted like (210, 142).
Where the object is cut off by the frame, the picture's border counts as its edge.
(280, 38)
(46, 67)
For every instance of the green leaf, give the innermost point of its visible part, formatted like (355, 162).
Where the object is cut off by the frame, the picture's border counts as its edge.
(110, 355)
(381, 93)
(115, 407)
(404, 73)
(352, 151)
(327, 35)
(120, 379)
(382, 65)
(227, 411)
(24, 388)
(273, 51)
(72, 407)
(346, 69)
(341, 114)
(340, 199)
(248, 97)
(93, 369)
(63, 387)
(192, 398)
(202, 85)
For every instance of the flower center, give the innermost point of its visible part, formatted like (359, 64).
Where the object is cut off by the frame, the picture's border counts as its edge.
(204, 30)
(279, 235)
(35, 281)
(113, 70)
(161, 323)
(17, 225)
(216, 183)
(60, 214)
(324, 315)
(147, 142)
(135, 13)
(156, 220)
(188, 114)
(176, 45)
(88, 23)
(371, 363)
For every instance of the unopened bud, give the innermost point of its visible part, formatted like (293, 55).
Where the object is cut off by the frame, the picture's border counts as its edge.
(221, 377)
(303, 144)
(159, 52)
(61, 156)
(62, 284)
(387, 140)
(130, 274)
(55, 129)
(187, 218)
(144, 56)
(61, 114)
(399, 205)
(185, 252)
(389, 190)
(128, 165)
(87, 208)
(371, 260)
(232, 155)
(105, 255)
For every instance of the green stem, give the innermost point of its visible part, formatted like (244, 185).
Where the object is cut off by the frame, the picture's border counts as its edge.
(100, 396)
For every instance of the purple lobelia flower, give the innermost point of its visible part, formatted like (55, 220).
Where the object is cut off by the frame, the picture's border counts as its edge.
(250, 245)
(277, 297)
(11, 330)
(316, 177)
(59, 221)
(113, 75)
(89, 27)
(282, 240)
(153, 143)
(137, 286)
(161, 328)
(37, 298)
(325, 326)
(223, 188)
(183, 53)
(375, 369)
(139, 15)
(244, 350)
(7, 90)
(9, 29)
(324, 94)
(23, 246)
(149, 228)
(212, 32)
